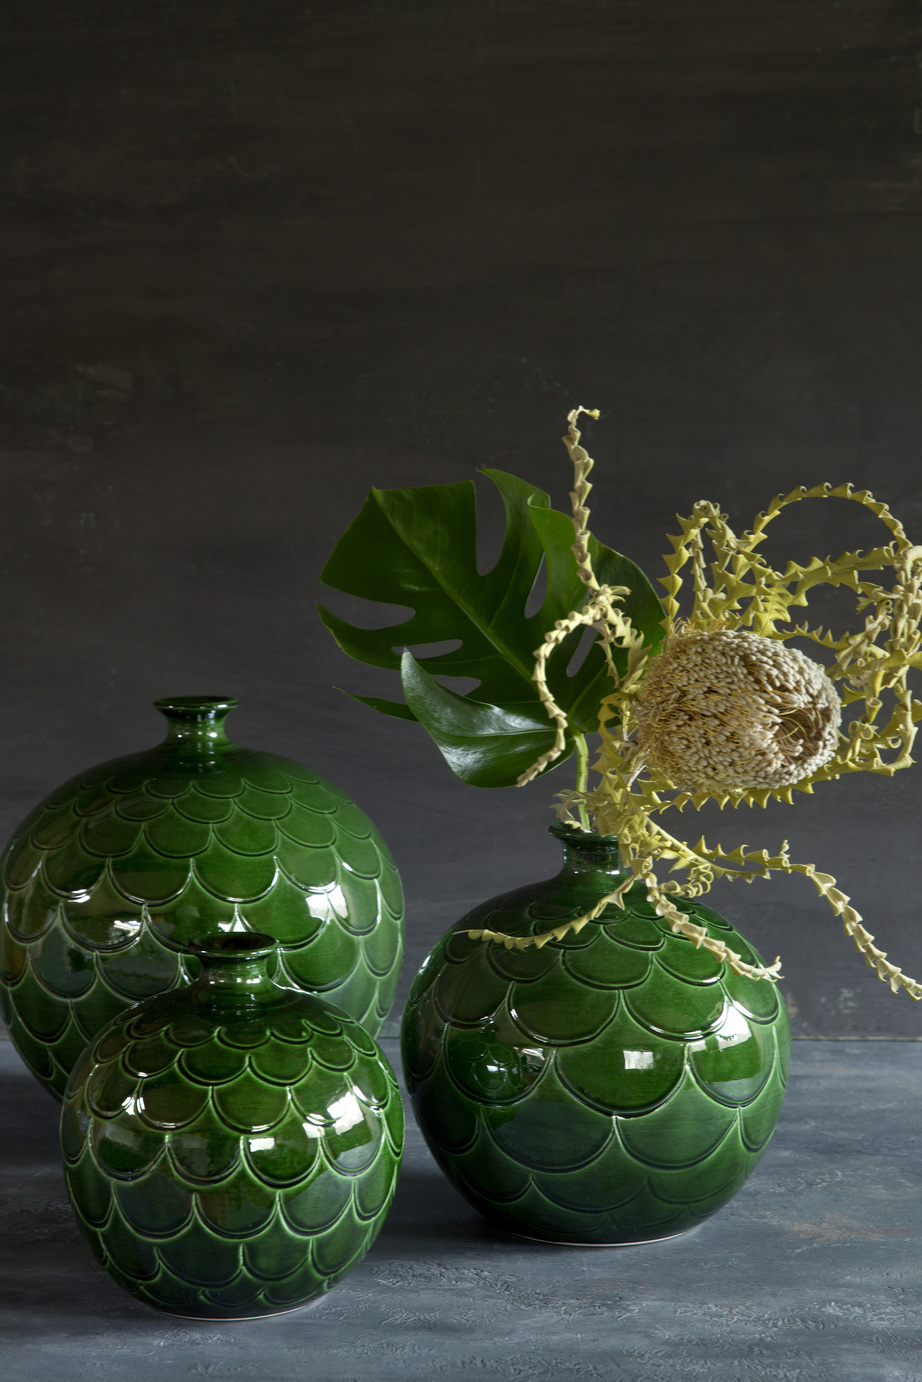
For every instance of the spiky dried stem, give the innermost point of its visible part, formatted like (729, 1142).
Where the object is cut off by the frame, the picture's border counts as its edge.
(579, 495)
(745, 592)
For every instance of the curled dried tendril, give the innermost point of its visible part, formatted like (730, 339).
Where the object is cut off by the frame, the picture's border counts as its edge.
(774, 728)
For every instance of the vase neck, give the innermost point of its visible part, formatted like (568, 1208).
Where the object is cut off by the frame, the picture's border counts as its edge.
(586, 854)
(196, 722)
(235, 966)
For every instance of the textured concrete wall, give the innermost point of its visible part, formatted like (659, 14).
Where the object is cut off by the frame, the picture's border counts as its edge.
(259, 258)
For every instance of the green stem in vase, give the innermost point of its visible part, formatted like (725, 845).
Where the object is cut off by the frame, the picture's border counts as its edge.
(582, 777)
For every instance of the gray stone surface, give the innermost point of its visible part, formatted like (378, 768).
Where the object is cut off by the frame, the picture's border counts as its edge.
(813, 1273)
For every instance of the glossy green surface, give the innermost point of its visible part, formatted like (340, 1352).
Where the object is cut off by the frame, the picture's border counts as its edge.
(108, 881)
(613, 1087)
(231, 1149)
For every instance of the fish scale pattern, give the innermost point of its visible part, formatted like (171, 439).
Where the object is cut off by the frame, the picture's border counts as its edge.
(615, 1086)
(111, 877)
(226, 1170)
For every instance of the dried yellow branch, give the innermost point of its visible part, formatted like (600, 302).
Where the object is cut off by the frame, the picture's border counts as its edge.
(737, 591)
(579, 495)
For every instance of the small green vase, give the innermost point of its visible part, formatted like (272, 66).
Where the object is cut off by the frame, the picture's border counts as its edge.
(616, 1086)
(231, 1149)
(106, 883)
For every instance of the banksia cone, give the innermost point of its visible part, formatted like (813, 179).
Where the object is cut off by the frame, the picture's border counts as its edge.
(731, 709)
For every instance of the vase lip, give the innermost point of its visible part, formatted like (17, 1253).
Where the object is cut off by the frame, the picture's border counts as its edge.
(233, 945)
(574, 835)
(195, 707)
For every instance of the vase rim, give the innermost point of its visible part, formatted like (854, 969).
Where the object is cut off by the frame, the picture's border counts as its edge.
(574, 834)
(195, 706)
(233, 945)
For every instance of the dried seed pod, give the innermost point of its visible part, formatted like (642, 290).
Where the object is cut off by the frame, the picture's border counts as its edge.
(726, 709)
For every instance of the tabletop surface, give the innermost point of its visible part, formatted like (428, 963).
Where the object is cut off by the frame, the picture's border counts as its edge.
(812, 1272)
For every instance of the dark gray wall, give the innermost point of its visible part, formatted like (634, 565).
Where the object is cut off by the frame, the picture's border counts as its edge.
(259, 258)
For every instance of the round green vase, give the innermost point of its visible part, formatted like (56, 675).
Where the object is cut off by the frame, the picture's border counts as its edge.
(108, 881)
(231, 1149)
(616, 1086)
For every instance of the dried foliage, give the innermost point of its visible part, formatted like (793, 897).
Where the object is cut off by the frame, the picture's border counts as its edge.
(736, 594)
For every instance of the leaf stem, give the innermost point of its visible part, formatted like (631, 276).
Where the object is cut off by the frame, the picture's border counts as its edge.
(582, 776)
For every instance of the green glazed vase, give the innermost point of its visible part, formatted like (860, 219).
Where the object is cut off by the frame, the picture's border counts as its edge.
(616, 1086)
(231, 1148)
(106, 883)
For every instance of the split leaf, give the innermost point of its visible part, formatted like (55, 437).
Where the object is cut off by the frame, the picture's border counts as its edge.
(418, 548)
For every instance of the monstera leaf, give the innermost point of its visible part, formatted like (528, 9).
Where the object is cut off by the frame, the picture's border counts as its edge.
(417, 547)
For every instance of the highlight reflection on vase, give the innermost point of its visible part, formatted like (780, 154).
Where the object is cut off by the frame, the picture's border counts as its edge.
(109, 879)
(614, 1086)
(231, 1149)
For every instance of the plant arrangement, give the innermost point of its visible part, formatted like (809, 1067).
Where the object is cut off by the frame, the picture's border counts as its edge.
(709, 702)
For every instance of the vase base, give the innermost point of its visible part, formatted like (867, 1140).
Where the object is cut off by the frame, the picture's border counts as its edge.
(629, 1243)
(234, 1319)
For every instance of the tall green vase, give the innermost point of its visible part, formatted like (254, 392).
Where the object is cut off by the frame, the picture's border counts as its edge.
(110, 878)
(231, 1149)
(616, 1086)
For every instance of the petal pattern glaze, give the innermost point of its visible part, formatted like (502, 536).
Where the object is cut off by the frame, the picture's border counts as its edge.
(117, 871)
(615, 1086)
(216, 1165)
